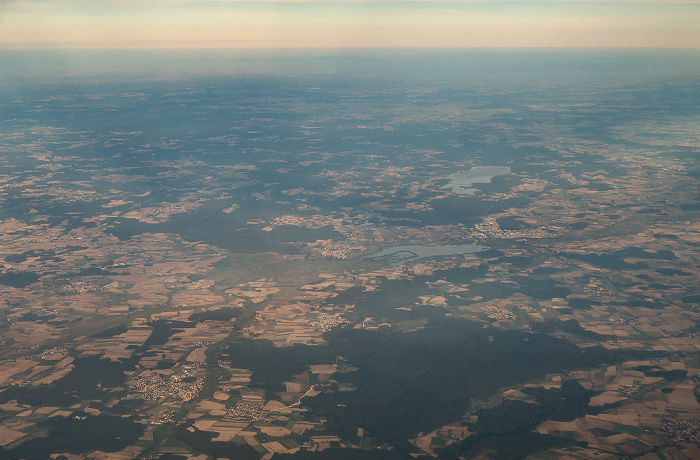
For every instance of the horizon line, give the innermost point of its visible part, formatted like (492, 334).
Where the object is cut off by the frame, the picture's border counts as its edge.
(343, 48)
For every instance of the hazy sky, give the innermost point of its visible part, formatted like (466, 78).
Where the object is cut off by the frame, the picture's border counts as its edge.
(333, 24)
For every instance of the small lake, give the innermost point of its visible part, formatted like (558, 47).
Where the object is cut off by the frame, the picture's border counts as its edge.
(460, 183)
(401, 254)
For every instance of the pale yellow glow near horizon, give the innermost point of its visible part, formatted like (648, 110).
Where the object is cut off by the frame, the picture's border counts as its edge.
(163, 24)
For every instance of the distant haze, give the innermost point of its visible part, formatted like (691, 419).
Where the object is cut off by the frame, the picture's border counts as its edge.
(348, 24)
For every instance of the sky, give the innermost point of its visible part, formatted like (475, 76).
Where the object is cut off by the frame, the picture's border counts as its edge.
(192, 24)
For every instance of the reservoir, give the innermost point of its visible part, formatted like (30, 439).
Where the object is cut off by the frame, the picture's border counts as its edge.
(460, 183)
(401, 254)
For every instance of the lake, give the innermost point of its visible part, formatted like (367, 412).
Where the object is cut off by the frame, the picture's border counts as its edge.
(401, 254)
(460, 183)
